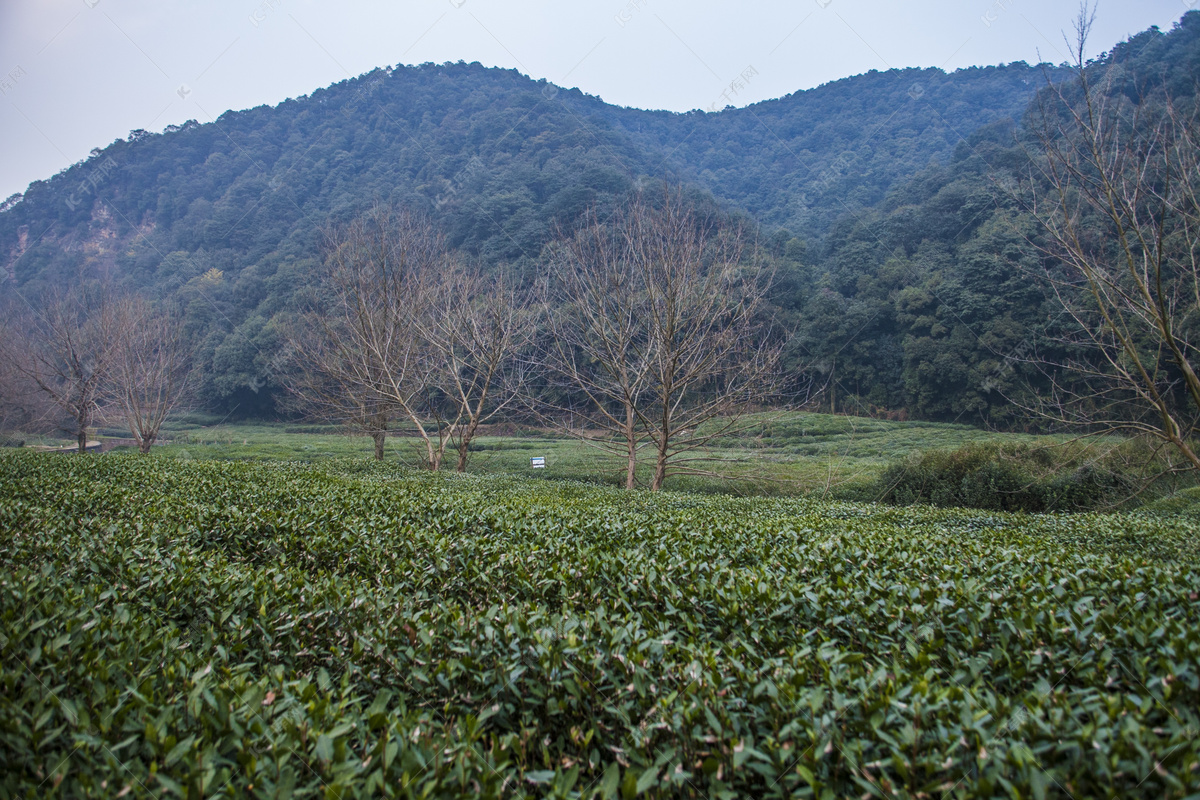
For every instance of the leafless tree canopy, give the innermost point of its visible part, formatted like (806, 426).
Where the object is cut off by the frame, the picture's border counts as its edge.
(323, 383)
(656, 323)
(1122, 216)
(66, 349)
(407, 332)
(149, 373)
(22, 405)
(475, 326)
(599, 339)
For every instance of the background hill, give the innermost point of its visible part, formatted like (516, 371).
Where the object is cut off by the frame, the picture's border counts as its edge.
(900, 271)
(501, 158)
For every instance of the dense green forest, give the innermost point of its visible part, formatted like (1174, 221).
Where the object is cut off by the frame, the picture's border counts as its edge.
(902, 263)
(931, 301)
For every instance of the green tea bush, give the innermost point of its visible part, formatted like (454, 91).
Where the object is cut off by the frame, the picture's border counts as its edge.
(216, 629)
(1014, 477)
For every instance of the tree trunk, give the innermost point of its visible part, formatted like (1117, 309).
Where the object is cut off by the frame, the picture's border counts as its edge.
(464, 445)
(433, 458)
(433, 455)
(631, 443)
(660, 471)
(379, 437)
(83, 440)
(144, 444)
(664, 446)
(833, 391)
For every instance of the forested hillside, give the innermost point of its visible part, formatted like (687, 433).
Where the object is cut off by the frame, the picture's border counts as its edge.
(931, 300)
(900, 266)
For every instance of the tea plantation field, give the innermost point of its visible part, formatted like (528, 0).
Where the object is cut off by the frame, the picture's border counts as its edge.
(343, 629)
(775, 453)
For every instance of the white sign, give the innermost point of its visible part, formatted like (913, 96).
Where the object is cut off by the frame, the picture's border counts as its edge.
(537, 462)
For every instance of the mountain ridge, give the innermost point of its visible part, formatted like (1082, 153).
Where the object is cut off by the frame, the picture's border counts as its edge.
(356, 89)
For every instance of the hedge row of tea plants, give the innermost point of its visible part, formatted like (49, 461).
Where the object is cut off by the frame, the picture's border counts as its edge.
(213, 629)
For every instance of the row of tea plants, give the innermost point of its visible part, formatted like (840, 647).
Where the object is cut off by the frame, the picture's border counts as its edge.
(211, 629)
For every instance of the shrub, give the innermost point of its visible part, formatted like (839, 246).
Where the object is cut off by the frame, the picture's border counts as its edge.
(1015, 477)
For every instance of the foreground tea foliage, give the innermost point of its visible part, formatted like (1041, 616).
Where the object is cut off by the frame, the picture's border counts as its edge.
(202, 629)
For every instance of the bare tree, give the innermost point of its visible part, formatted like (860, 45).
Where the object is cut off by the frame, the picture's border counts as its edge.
(324, 382)
(150, 371)
(362, 355)
(22, 405)
(660, 329)
(711, 357)
(1122, 217)
(407, 332)
(475, 325)
(66, 350)
(598, 340)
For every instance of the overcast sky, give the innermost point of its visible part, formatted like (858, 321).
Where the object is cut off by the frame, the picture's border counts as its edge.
(77, 74)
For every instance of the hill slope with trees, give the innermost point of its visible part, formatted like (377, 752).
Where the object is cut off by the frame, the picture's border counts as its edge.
(935, 299)
(900, 267)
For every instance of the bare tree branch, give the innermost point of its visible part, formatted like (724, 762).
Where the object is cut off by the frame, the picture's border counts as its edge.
(1121, 217)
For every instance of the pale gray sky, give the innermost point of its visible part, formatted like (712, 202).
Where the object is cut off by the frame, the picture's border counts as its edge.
(76, 74)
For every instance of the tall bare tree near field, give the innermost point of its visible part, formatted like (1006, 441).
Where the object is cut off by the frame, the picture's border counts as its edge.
(661, 330)
(475, 325)
(149, 374)
(407, 332)
(66, 349)
(711, 357)
(326, 382)
(598, 342)
(1122, 216)
(22, 404)
(364, 353)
